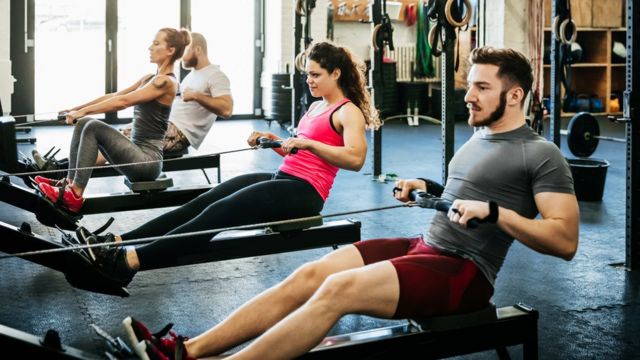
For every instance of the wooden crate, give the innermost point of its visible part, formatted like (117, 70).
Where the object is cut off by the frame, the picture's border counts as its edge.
(608, 13)
(581, 12)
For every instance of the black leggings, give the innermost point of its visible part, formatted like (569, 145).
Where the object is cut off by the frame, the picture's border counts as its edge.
(246, 199)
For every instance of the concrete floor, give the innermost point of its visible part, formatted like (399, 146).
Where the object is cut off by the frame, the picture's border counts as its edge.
(589, 309)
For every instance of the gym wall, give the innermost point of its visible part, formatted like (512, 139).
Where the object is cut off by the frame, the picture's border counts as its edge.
(356, 36)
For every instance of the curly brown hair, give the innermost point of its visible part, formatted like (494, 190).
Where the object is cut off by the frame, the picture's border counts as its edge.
(352, 79)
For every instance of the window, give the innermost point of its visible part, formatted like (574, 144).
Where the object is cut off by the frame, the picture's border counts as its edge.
(76, 50)
(228, 27)
(135, 34)
(70, 57)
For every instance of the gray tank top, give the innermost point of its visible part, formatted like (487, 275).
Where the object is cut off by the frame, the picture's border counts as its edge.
(150, 122)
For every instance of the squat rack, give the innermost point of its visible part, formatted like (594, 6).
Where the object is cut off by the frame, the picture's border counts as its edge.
(630, 117)
(447, 83)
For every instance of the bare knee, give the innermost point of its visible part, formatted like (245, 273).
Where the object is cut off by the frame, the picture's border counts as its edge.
(307, 276)
(336, 292)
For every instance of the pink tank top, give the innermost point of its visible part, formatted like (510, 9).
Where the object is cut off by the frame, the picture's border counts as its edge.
(308, 166)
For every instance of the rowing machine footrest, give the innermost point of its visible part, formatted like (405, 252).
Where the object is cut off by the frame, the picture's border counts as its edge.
(457, 321)
(298, 225)
(161, 183)
(48, 214)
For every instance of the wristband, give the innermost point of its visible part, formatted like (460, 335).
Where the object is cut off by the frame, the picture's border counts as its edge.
(433, 187)
(492, 218)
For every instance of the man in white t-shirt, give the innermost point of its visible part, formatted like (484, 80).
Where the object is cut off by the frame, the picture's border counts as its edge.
(205, 94)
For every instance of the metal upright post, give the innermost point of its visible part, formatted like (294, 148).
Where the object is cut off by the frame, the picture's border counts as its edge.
(632, 117)
(22, 56)
(296, 88)
(448, 92)
(556, 81)
(111, 54)
(375, 79)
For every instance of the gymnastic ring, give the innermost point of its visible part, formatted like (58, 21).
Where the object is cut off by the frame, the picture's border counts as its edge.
(554, 26)
(563, 28)
(300, 61)
(374, 37)
(451, 20)
(300, 8)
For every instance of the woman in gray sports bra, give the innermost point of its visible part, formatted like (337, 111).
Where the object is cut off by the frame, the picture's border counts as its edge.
(151, 97)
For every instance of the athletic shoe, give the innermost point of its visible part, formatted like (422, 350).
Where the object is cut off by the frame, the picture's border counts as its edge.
(86, 237)
(180, 352)
(172, 346)
(112, 263)
(67, 200)
(53, 182)
(139, 332)
(40, 161)
(147, 351)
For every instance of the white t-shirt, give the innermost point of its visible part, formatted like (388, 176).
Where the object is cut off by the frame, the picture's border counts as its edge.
(192, 118)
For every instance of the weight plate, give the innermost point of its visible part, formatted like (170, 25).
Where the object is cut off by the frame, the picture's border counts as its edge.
(582, 134)
(281, 97)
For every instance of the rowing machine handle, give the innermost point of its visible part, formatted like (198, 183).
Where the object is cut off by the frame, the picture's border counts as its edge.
(266, 143)
(428, 201)
(62, 116)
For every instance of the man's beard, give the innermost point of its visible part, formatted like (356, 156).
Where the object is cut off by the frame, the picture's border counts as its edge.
(497, 113)
(190, 63)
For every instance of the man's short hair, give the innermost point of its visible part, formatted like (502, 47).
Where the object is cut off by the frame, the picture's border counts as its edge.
(199, 40)
(513, 66)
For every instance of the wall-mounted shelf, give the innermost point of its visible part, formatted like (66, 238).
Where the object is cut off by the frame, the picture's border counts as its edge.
(599, 74)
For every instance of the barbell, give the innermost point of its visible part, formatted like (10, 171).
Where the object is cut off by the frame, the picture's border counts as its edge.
(583, 134)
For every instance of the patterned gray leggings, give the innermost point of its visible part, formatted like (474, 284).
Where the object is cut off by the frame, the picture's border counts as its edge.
(91, 135)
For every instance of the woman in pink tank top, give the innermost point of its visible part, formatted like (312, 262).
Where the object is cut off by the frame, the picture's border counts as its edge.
(330, 136)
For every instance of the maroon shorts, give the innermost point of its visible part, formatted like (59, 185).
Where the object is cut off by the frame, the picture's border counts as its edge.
(431, 282)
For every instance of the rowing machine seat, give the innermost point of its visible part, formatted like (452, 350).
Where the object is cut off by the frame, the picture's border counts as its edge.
(457, 321)
(440, 337)
(161, 183)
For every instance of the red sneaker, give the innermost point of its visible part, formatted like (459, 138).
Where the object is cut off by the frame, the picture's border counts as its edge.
(147, 351)
(67, 200)
(149, 345)
(139, 332)
(173, 347)
(53, 182)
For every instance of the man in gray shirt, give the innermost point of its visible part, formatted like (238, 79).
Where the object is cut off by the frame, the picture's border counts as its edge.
(504, 176)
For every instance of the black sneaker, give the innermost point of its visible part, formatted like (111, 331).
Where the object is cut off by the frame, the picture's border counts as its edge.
(86, 237)
(112, 263)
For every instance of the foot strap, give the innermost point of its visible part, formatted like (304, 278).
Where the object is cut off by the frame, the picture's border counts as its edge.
(59, 200)
(104, 227)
